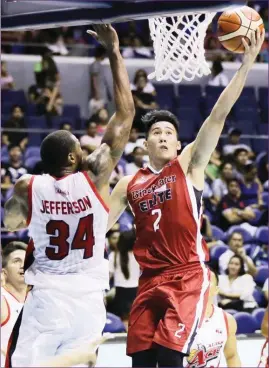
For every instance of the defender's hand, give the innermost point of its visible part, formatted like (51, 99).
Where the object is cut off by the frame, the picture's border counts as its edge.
(106, 35)
(252, 50)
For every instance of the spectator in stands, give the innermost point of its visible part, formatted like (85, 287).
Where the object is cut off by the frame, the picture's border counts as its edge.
(116, 175)
(143, 101)
(236, 287)
(137, 49)
(212, 169)
(265, 289)
(219, 186)
(48, 69)
(206, 229)
(137, 163)
(101, 118)
(16, 121)
(91, 140)
(148, 88)
(126, 220)
(240, 161)
(232, 210)
(14, 169)
(236, 248)
(234, 143)
(112, 236)
(7, 81)
(218, 76)
(100, 92)
(125, 270)
(134, 141)
(50, 102)
(66, 126)
(251, 188)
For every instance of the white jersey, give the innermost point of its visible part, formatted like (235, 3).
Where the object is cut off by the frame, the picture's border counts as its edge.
(14, 307)
(67, 225)
(210, 341)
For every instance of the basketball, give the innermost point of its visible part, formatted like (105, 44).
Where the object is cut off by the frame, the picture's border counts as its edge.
(236, 24)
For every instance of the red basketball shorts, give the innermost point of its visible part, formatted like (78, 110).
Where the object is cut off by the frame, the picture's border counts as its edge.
(168, 309)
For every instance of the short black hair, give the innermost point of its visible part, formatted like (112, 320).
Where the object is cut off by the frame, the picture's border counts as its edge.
(232, 234)
(136, 149)
(55, 149)
(242, 266)
(13, 145)
(10, 248)
(100, 51)
(223, 164)
(239, 150)
(213, 270)
(232, 180)
(154, 116)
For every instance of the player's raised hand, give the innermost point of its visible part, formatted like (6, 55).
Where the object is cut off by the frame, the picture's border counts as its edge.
(252, 50)
(106, 35)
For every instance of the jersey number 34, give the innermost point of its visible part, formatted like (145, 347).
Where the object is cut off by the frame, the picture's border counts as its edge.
(59, 231)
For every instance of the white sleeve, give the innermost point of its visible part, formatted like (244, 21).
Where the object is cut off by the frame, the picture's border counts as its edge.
(111, 259)
(223, 263)
(247, 286)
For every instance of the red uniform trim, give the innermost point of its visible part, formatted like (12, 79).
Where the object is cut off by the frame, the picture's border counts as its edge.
(95, 191)
(226, 322)
(8, 314)
(11, 294)
(30, 193)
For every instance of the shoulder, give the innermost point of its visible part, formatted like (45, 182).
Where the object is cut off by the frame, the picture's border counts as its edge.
(232, 325)
(247, 277)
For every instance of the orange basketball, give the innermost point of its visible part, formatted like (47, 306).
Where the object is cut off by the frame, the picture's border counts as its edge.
(236, 24)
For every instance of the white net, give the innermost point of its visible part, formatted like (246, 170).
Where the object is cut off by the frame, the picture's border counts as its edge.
(178, 43)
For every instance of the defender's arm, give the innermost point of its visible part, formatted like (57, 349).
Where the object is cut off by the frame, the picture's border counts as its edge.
(16, 208)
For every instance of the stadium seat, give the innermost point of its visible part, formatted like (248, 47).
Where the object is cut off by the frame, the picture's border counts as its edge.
(246, 235)
(259, 145)
(246, 126)
(14, 97)
(259, 297)
(217, 233)
(31, 161)
(258, 215)
(246, 114)
(34, 139)
(31, 109)
(114, 324)
(262, 129)
(263, 102)
(217, 251)
(165, 96)
(189, 96)
(258, 314)
(71, 111)
(56, 121)
(37, 122)
(261, 235)
(23, 234)
(187, 129)
(262, 275)
(32, 152)
(246, 323)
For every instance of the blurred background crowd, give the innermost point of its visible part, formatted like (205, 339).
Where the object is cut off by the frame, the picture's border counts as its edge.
(235, 219)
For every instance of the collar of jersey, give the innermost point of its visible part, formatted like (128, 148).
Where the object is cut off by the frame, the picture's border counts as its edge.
(153, 170)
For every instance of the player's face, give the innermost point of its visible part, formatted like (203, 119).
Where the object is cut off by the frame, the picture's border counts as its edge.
(236, 242)
(234, 267)
(13, 271)
(162, 143)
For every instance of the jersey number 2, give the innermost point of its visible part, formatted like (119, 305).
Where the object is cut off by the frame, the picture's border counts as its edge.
(59, 231)
(157, 212)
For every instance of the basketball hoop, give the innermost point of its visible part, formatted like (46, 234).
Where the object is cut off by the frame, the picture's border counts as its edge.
(178, 43)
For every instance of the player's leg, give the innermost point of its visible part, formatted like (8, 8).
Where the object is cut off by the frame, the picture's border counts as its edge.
(185, 304)
(145, 358)
(169, 358)
(34, 337)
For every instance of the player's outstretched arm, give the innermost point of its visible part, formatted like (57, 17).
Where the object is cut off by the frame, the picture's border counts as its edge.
(264, 326)
(105, 158)
(230, 349)
(209, 134)
(118, 200)
(16, 208)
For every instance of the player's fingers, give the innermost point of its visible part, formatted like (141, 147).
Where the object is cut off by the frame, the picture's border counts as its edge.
(246, 46)
(92, 33)
(253, 38)
(258, 36)
(262, 36)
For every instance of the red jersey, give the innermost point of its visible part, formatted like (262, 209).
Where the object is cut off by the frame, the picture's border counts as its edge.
(167, 211)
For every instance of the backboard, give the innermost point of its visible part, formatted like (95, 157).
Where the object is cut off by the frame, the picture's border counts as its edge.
(33, 14)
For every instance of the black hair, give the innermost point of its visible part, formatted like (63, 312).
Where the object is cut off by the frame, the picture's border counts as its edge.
(242, 266)
(10, 248)
(137, 148)
(126, 244)
(217, 67)
(15, 106)
(232, 234)
(139, 73)
(232, 180)
(239, 150)
(89, 122)
(249, 167)
(223, 164)
(13, 145)
(54, 150)
(154, 116)
(100, 51)
(213, 270)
